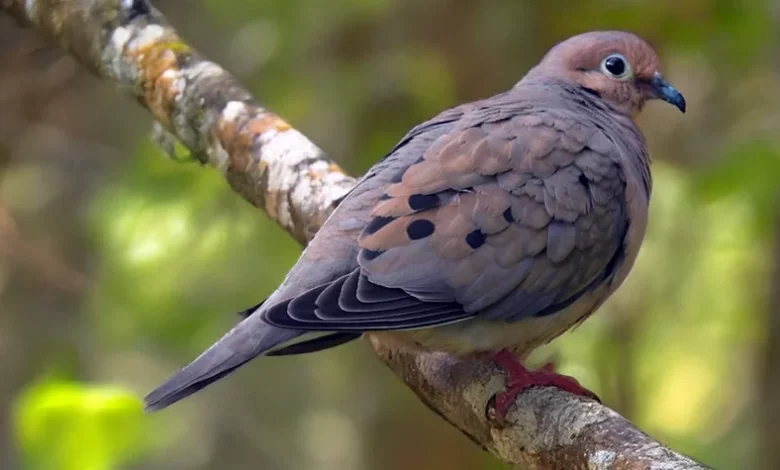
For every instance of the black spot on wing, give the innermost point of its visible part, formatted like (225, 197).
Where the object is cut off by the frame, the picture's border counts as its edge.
(420, 202)
(419, 229)
(376, 224)
(508, 215)
(475, 239)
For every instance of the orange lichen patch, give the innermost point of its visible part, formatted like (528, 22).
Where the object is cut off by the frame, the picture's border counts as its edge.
(238, 135)
(160, 88)
(266, 122)
(237, 142)
(227, 131)
(316, 174)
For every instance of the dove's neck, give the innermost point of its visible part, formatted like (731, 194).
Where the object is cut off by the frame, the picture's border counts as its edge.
(542, 82)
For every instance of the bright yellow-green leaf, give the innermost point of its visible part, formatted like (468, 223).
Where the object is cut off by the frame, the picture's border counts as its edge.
(70, 426)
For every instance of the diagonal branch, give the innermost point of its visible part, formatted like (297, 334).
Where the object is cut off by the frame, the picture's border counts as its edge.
(279, 170)
(129, 43)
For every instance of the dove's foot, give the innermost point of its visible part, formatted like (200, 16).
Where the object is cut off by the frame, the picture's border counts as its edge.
(519, 378)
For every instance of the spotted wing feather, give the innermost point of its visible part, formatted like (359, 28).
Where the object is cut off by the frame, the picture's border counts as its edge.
(506, 218)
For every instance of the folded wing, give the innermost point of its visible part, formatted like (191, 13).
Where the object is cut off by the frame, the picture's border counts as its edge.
(505, 218)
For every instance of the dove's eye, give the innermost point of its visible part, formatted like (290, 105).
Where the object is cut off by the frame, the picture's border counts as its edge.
(616, 66)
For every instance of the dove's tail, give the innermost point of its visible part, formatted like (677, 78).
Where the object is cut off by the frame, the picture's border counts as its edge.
(245, 341)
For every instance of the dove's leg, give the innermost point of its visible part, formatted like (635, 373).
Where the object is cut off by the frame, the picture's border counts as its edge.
(519, 378)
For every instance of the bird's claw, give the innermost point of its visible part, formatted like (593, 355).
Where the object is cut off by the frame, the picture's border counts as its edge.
(519, 379)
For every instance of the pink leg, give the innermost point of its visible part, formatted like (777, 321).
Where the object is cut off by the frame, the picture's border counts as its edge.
(519, 378)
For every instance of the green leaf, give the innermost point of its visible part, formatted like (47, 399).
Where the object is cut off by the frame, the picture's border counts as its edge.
(69, 426)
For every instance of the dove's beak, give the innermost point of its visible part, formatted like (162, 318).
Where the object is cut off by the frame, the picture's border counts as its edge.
(664, 91)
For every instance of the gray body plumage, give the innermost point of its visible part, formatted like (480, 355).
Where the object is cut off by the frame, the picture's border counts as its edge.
(497, 224)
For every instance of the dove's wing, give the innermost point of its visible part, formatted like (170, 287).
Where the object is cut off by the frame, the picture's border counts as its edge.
(515, 215)
(331, 255)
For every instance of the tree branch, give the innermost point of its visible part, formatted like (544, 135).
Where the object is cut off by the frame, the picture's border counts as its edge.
(129, 43)
(279, 170)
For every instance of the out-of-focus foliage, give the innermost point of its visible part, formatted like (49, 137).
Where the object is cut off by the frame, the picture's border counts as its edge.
(69, 426)
(118, 265)
(158, 244)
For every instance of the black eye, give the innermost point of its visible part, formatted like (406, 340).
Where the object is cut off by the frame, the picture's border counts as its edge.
(616, 66)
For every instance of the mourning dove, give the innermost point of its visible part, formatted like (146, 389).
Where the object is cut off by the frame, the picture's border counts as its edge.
(490, 229)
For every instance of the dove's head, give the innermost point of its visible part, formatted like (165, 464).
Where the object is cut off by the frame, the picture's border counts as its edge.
(619, 67)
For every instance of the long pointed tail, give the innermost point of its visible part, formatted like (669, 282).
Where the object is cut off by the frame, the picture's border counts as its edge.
(248, 339)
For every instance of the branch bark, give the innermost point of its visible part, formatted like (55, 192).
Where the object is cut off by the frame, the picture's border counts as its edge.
(279, 170)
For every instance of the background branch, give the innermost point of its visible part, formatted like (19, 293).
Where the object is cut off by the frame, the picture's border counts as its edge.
(279, 170)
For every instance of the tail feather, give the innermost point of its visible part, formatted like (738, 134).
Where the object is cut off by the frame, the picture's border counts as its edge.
(315, 344)
(244, 342)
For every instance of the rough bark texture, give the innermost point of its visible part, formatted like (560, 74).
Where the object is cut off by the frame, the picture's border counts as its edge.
(129, 43)
(278, 169)
(547, 429)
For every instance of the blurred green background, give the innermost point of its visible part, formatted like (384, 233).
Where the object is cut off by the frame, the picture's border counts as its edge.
(118, 265)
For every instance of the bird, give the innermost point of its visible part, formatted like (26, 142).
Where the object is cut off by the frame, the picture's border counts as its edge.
(487, 231)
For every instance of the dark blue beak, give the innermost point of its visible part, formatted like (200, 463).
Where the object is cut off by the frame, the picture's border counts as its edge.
(664, 91)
